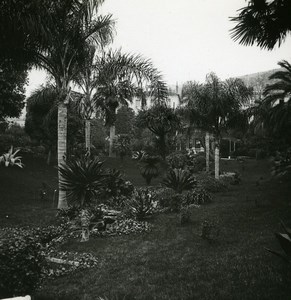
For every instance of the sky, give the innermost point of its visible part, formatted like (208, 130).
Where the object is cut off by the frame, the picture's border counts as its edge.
(185, 39)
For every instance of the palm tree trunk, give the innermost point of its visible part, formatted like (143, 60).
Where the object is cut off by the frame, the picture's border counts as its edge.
(216, 160)
(62, 148)
(88, 135)
(207, 150)
(111, 138)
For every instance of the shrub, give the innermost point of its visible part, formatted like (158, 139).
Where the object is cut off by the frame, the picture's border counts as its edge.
(142, 203)
(197, 196)
(10, 159)
(179, 180)
(196, 162)
(185, 215)
(115, 185)
(122, 145)
(210, 184)
(177, 160)
(21, 266)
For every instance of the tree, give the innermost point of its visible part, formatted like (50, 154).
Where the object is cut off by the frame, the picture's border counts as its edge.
(263, 22)
(12, 82)
(125, 120)
(160, 120)
(61, 30)
(41, 119)
(215, 104)
(278, 100)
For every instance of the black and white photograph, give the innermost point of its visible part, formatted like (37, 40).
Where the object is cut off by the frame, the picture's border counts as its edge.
(145, 150)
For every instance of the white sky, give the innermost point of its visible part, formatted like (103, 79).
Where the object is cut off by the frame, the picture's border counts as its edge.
(185, 39)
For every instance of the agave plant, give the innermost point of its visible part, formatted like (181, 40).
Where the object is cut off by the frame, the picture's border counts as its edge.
(82, 178)
(10, 158)
(285, 243)
(179, 180)
(149, 167)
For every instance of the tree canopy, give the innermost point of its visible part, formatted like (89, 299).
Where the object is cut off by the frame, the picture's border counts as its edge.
(263, 22)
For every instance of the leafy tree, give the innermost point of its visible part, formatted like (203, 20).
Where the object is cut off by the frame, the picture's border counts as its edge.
(160, 120)
(124, 120)
(263, 22)
(12, 82)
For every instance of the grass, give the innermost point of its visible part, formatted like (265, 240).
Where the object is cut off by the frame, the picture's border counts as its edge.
(173, 261)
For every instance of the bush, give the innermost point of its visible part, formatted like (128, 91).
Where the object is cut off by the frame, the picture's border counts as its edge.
(115, 185)
(177, 160)
(210, 184)
(196, 162)
(179, 180)
(142, 203)
(197, 196)
(21, 266)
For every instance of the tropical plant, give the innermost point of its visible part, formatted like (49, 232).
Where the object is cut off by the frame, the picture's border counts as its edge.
(177, 160)
(142, 203)
(149, 167)
(263, 22)
(285, 243)
(63, 36)
(160, 120)
(214, 105)
(10, 159)
(82, 178)
(179, 180)
(278, 100)
(121, 145)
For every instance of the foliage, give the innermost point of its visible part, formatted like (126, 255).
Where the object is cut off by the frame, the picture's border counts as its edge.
(185, 215)
(161, 121)
(125, 226)
(282, 163)
(149, 167)
(179, 180)
(124, 120)
(121, 145)
(82, 178)
(21, 265)
(142, 203)
(12, 82)
(285, 242)
(115, 189)
(177, 160)
(197, 196)
(196, 162)
(14, 135)
(263, 22)
(10, 158)
(210, 184)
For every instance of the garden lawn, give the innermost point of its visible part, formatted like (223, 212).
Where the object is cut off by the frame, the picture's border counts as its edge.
(173, 261)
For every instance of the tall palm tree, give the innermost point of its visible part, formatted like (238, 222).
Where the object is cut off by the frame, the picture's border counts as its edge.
(66, 34)
(119, 78)
(263, 22)
(214, 105)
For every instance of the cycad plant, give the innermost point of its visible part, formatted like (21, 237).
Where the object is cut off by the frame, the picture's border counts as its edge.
(149, 167)
(81, 179)
(179, 180)
(285, 243)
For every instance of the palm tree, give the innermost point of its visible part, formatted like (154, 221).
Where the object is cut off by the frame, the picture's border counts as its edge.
(278, 100)
(263, 22)
(121, 77)
(214, 105)
(66, 35)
